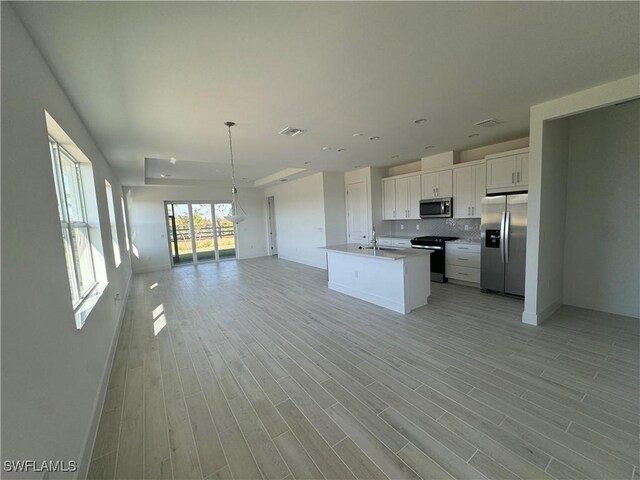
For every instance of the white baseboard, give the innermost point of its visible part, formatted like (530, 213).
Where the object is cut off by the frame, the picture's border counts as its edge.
(92, 432)
(531, 318)
(152, 268)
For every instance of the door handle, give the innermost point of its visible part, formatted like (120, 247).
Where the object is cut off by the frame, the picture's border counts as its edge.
(513, 176)
(469, 211)
(502, 237)
(438, 191)
(506, 236)
(473, 210)
(518, 177)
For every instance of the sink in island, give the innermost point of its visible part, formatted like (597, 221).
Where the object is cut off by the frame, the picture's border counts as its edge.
(397, 279)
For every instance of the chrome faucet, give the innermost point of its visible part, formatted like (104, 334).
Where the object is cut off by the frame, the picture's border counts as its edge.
(374, 242)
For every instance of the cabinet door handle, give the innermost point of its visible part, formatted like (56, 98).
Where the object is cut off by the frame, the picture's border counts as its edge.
(473, 210)
(438, 191)
(463, 259)
(468, 211)
(394, 214)
(518, 176)
(513, 177)
(465, 274)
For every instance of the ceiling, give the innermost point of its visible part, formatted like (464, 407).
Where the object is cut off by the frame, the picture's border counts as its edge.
(158, 79)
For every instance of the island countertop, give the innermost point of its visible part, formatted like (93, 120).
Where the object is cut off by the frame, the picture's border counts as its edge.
(384, 254)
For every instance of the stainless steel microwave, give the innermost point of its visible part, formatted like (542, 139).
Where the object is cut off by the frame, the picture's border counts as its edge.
(436, 208)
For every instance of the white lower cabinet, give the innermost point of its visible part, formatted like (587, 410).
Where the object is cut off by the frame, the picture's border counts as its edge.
(463, 262)
(384, 242)
(401, 243)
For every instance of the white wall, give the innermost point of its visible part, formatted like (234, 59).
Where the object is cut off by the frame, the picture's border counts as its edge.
(300, 220)
(52, 374)
(147, 221)
(537, 309)
(602, 250)
(553, 210)
(335, 218)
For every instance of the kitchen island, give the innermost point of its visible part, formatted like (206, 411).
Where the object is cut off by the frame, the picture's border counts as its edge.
(397, 279)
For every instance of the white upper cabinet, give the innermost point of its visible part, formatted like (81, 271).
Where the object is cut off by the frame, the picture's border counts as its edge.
(389, 199)
(414, 197)
(468, 190)
(401, 198)
(508, 171)
(437, 184)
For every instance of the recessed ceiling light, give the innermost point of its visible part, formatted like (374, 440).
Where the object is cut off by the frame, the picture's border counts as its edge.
(473, 135)
(326, 148)
(396, 156)
(428, 147)
(357, 134)
(420, 120)
(173, 160)
(342, 149)
(374, 138)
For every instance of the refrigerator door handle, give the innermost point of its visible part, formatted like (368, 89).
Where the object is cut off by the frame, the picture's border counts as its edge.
(506, 237)
(502, 237)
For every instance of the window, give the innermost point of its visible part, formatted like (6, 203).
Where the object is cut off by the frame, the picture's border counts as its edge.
(124, 222)
(112, 222)
(73, 219)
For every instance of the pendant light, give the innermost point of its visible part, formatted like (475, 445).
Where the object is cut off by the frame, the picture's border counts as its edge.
(235, 216)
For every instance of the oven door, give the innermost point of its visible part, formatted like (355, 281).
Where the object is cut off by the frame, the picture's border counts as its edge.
(435, 208)
(437, 261)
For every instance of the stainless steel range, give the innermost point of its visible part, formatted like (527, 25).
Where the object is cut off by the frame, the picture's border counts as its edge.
(438, 245)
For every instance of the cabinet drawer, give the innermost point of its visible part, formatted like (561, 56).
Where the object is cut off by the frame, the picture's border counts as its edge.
(463, 247)
(463, 259)
(401, 243)
(385, 242)
(463, 273)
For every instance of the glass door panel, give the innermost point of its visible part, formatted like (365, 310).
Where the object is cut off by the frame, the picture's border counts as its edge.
(225, 232)
(180, 231)
(203, 232)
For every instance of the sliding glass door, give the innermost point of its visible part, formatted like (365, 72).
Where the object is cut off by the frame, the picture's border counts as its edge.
(225, 232)
(198, 232)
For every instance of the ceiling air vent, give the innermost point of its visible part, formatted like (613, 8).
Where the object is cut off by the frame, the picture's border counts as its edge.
(292, 132)
(489, 122)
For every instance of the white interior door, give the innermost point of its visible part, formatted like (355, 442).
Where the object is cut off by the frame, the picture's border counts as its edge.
(357, 213)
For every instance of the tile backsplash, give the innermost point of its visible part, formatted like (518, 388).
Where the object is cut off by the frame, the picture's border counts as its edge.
(467, 228)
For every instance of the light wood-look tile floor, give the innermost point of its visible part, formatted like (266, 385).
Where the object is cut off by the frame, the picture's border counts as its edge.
(254, 369)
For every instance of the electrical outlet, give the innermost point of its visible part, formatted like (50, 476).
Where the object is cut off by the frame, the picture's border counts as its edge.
(402, 226)
(417, 226)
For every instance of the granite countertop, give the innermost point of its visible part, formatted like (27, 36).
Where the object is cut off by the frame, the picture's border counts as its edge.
(384, 254)
(472, 241)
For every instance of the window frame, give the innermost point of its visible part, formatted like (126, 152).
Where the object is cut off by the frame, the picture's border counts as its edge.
(113, 224)
(68, 225)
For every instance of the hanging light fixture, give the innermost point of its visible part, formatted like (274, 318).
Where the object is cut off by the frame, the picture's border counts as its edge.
(235, 216)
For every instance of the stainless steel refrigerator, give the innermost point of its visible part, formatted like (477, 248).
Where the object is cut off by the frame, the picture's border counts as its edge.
(504, 239)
